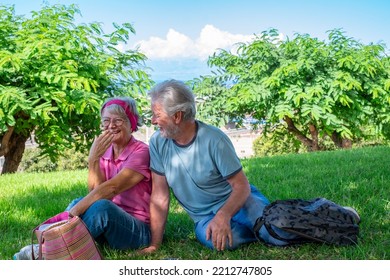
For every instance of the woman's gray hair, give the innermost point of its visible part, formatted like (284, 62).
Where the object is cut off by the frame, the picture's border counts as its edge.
(118, 110)
(174, 96)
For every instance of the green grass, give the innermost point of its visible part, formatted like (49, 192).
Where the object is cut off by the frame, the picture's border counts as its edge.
(359, 178)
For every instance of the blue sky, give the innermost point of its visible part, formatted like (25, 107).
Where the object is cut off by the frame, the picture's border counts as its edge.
(178, 36)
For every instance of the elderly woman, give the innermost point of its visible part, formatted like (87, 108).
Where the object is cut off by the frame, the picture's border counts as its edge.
(116, 209)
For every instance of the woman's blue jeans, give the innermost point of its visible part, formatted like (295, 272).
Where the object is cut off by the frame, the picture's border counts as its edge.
(110, 224)
(242, 224)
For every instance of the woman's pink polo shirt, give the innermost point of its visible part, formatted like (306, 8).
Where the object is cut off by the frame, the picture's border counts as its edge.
(135, 156)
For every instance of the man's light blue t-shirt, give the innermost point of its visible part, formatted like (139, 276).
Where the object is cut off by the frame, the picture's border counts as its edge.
(197, 172)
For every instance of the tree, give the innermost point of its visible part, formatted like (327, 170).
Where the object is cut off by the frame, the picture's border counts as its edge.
(314, 88)
(55, 74)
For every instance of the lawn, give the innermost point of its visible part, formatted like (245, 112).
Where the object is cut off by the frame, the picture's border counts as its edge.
(358, 177)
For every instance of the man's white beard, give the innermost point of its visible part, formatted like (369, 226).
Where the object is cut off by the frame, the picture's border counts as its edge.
(170, 132)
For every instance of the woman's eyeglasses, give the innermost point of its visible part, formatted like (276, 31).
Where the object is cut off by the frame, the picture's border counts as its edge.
(116, 122)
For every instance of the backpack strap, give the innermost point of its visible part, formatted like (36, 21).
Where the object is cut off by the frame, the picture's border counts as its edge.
(261, 222)
(256, 228)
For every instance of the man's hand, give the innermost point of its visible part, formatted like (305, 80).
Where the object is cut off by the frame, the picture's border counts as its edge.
(219, 231)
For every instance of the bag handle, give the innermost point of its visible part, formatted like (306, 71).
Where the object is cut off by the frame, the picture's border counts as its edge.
(39, 238)
(261, 222)
(63, 216)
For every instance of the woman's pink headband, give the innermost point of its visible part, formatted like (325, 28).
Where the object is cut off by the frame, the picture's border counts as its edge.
(132, 118)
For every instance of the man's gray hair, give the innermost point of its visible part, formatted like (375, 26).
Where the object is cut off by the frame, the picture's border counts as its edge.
(174, 96)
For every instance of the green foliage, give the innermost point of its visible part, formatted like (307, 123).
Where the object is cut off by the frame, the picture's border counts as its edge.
(213, 94)
(34, 161)
(276, 143)
(55, 74)
(317, 88)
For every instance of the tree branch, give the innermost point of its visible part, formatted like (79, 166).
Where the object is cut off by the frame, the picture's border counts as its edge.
(300, 136)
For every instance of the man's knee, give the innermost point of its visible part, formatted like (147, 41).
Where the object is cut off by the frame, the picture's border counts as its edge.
(240, 234)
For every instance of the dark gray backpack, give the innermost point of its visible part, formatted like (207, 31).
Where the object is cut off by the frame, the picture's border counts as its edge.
(317, 220)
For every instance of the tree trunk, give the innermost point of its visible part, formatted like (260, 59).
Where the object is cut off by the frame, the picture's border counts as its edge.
(341, 142)
(346, 143)
(309, 143)
(12, 159)
(314, 136)
(4, 143)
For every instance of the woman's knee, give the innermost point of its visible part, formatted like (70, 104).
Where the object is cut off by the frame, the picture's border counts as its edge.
(97, 216)
(73, 203)
(100, 206)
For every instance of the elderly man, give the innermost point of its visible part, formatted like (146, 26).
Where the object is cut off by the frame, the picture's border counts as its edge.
(199, 163)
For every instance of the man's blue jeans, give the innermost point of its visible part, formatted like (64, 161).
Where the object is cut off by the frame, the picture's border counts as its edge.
(108, 223)
(242, 224)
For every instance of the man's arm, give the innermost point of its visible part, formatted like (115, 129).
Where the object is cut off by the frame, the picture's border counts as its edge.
(159, 206)
(219, 228)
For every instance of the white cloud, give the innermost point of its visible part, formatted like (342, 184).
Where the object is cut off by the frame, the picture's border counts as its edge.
(211, 39)
(177, 45)
(174, 45)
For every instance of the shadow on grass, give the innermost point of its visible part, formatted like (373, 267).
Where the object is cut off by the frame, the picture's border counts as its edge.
(22, 213)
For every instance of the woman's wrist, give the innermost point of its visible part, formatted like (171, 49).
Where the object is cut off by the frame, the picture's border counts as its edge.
(92, 160)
